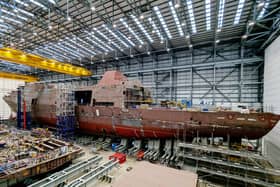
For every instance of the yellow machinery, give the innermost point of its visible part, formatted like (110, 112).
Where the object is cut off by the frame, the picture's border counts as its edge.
(20, 57)
(25, 78)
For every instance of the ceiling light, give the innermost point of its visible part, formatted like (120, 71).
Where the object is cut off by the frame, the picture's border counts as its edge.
(221, 14)
(12, 14)
(264, 8)
(25, 12)
(142, 16)
(217, 41)
(50, 27)
(190, 46)
(68, 18)
(131, 56)
(117, 58)
(161, 41)
(11, 19)
(261, 4)
(219, 30)
(21, 2)
(116, 36)
(183, 24)
(35, 33)
(239, 11)
(132, 32)
(251, 23)
(142, 28)
(22, 39)
(176, 19)
(38, 4)
(187, 36)
(52, 1)
(162, 22)
(106, 38)
(148, 52)
(208, 14)
(191, 15)
(177, 5)
(167, 49)
(244, 36)
(114, 25)
(155, 29)
(93, 8)
(15, 10)
(140, 46)
(103, 60)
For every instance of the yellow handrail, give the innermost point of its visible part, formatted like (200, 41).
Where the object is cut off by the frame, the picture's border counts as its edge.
(20, 57)
(26, 78)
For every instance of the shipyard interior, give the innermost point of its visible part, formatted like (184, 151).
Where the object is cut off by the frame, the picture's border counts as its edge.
(127, 93)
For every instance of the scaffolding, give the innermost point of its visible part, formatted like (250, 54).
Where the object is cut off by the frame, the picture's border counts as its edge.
(65, 112)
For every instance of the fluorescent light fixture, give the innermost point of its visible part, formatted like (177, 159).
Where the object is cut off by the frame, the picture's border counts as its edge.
(5, 26)
(25, 12)
(21, 2)
(221, 13)
(139, 25)
(191, 15)
(156, 29)
(67, 49)
(176, 19)
(12, 14)
(162, 22)
(106, 38)
(38, 4)
(132, 32)
(101, 44)
(85, 50)
(208, 14)
(239, 11)
(116, 36)
(12, 20)
(265, 6)
(52, 1)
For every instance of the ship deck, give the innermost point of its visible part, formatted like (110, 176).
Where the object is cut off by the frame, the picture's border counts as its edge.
(24, 154)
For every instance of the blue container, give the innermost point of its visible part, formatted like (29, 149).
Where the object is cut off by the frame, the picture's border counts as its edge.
(114, 145)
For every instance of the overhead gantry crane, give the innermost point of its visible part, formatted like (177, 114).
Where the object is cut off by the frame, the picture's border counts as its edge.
(36, 61)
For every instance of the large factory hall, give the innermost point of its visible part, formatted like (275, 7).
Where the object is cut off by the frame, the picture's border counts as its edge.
(139, 93)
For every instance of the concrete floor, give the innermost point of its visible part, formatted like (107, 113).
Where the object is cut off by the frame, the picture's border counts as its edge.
(158, 175)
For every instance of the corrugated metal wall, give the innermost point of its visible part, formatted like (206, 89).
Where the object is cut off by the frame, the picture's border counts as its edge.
(191, 74)
(271, 98)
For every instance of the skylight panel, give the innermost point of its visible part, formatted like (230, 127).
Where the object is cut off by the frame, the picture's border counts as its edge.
(176, 19)
(239, 12)
(140, 26)
(162, 22)
(208, 14)
(261, 14)
(191, 15)
(221, 14)
(132, 32)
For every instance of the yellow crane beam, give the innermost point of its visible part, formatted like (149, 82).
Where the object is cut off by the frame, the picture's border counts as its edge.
(26, 78)
(20, 57)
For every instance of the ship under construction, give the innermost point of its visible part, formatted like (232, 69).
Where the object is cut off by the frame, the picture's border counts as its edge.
(120, 107)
